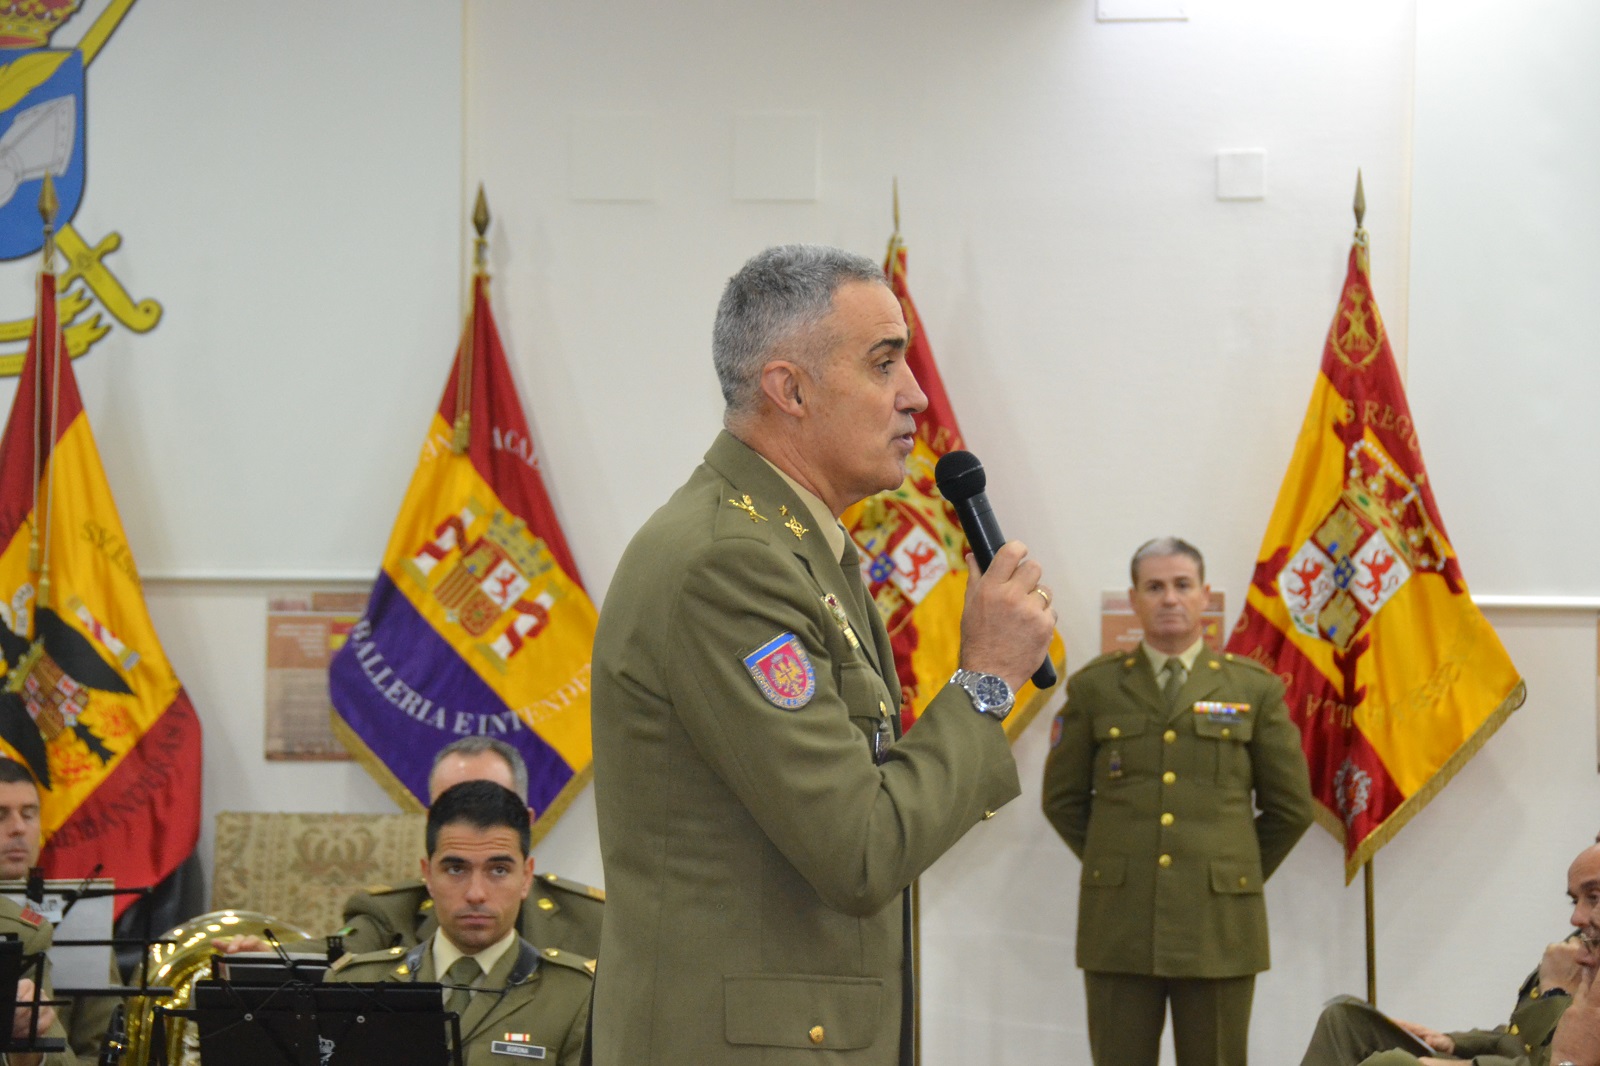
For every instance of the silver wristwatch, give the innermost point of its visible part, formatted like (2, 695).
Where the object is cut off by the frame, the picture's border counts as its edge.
(990, 694)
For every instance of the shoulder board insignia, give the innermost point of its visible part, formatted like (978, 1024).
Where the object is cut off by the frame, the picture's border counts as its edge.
(575, 887)
(378, 890)
(340, 963)
(783, 672)
(425, 905)
(31, 916)
(569, 959)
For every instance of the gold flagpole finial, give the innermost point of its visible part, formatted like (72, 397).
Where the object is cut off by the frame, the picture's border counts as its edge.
(48, 206)
(896, 187)
(480, 222)
(891, 256)
(1360, 204)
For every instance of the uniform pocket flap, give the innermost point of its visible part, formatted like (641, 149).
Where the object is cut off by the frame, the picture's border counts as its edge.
(802, 1010)
(1115, 727)
(1224, 726)
(1104, 872)
(1235, 878)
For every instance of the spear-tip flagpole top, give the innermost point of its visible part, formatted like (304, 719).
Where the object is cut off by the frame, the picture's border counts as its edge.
(480, 212)
(480, 223)
(896, 189)
(1360, 203)
(48, 204)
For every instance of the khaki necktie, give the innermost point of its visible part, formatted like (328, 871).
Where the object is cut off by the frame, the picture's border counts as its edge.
(464, 971)
(1174, 681)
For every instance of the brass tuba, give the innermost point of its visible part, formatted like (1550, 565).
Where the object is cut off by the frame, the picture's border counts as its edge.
(178, 966)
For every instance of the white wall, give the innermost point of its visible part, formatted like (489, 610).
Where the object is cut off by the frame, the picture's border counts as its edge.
(1129, 355)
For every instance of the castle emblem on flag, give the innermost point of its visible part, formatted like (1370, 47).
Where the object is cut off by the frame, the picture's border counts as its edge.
(783, 672)
(1368, 545)
(485, 573)
(1352, 791)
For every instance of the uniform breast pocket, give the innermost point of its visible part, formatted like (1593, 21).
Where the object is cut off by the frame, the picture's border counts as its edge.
(1114, 738)
(866, 697)
(1231, 734)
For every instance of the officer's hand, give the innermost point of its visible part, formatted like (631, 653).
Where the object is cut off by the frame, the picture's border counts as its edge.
(232, 945)
(1007, 621)
(1559, 968)
(1577, 1037)
(1440, 1042)
(22, 1024)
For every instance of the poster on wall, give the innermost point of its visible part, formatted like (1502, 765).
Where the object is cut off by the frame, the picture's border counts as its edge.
(303, 632)
(1120, 629)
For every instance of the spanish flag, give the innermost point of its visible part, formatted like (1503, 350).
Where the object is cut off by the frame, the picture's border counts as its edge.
(478, 624)
(88, 702)
(1358, 602)
(913, 553)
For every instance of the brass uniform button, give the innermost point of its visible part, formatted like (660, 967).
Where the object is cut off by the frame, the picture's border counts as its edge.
(1114, 733)
(817, 1035)
(1513, 1030)
(551, 952)
(546, 904)
(883, 708)
(987, 815)
(1164, 861)
(1226, 732)
(1244, 882)
(1166, 819)
(1168, 778)
(1216, 665)
(1170, 735)
(1096, 875)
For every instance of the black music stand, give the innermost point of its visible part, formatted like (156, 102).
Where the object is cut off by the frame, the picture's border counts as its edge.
(298, 1024)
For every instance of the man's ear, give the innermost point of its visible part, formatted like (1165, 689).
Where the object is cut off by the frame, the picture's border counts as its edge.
(527, 877)
(785, 385)
(424, 874)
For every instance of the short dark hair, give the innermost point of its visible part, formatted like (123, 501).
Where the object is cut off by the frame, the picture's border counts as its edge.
(1161, 548)
(14, 773)
(469, 746)
(482, 805)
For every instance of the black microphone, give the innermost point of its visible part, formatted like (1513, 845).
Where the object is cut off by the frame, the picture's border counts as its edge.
(961, 481)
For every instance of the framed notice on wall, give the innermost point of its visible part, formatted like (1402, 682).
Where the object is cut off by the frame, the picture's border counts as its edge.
(1120, 629)
(303, 632)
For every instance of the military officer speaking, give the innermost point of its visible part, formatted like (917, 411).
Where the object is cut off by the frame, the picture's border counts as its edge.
(516, 1001)
(759, 817)
(1177, 777)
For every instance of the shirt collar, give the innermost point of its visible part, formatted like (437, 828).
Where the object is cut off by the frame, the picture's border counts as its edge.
(1158, 660)
(445, 953)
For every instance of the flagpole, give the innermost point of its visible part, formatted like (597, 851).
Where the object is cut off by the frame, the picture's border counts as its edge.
(462, 429)
(1359, 206)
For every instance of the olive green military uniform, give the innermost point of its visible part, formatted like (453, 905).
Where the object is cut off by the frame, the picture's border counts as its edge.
(756, 851)
(87, 1018)
(36, 936)
(534, 1004)
(1180, 809)
(557, 913)
(1350, 1032)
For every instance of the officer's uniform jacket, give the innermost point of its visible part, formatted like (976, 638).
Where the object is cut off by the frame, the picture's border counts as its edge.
(1179, 816)
(557, 913)
(1525, 1039)
(36, 936)
(534, 1004)
(756, 854)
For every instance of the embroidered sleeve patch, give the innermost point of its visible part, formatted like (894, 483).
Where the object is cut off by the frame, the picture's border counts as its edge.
(783, 672)
(1056, 726)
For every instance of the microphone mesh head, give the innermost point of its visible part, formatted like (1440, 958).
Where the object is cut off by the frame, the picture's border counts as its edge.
(960, 476)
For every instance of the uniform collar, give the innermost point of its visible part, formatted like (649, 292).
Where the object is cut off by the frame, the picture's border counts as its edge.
(827, 524)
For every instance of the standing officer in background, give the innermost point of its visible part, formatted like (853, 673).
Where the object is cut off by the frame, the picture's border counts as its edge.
(759, 817)
(1177, 777)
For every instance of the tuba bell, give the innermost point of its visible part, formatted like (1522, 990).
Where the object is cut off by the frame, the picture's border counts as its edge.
(178, 965)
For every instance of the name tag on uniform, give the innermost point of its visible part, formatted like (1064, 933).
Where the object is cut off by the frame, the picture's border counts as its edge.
(1229, 711)
(518, 1046)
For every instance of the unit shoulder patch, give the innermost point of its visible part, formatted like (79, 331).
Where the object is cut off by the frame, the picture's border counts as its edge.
(783, 672)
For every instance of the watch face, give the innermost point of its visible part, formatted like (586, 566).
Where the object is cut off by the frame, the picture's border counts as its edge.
(993, 691)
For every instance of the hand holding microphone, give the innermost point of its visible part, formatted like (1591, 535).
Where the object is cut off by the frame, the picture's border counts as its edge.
(1008, 620)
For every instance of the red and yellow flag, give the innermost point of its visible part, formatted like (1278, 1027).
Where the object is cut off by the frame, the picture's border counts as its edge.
(88, 701)
(913, 553)
(1357, 601)
(478, 623)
